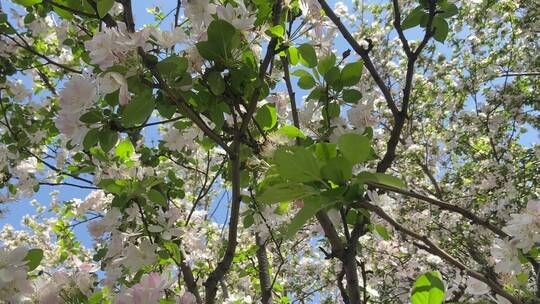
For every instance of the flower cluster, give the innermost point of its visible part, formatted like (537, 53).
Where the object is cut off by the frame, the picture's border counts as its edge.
(14, 281)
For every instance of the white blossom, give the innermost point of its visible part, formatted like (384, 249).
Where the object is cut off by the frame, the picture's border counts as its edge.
(360, 115)
(476, 287)
(18, 90)
(78, 95)
(239, 16)
(199, 12)
(505, 256)
(525, 227)
(168, 39)
(177, 140)
(13, 274)
(137, 256)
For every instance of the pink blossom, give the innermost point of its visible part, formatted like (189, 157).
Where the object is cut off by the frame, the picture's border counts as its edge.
(149, 290)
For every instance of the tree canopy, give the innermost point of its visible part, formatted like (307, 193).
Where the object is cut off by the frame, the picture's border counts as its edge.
(270, 151)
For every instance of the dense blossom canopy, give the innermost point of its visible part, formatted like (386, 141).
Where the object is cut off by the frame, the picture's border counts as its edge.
(270, 151)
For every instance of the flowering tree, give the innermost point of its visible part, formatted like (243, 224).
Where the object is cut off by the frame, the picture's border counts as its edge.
(374, 153)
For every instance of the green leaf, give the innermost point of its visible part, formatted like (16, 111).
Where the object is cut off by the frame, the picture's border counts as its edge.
(166, 110)
(33, 258)
(63, 13)
(90, 139)
(216, 82)
(27, 2)
(351, 95)
(428, 289)
(249, 61)
(138, 110)
(96, 298)
(534, 252)
(121, 69)
(425, 3)
(29, 18)
(381, 230)
(308, 56)
(222, 39)
(266, 117)
(107, 139)
(441, 29)
(285, 192)
(306, 82)
(332, 75)
(332, 110)
(312, 205)
(216, 115)
(173, 250)
(414, 18)
(294, 55)
(521, 257)
(325, 151)
(91, 117)
(297, 164)
(12, 189)
(353, 217)
(104, 6)
(523, 277)
(156, 197)
(338, 170)
(390, 180)
(381, 178)
(282, 208)
(277, 31)
(98, 153)
(185, 80)
(301, 73)
(351, 73)
(317, 94)
(173, 66)
(326, 63)
(354, 147)
(248, 221)
(291, 132)
(449, 10)
(125, 149)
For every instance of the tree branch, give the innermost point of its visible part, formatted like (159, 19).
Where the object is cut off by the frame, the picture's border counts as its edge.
(270, 52)
(71, 10)
(27, 47)
(264, 273)
(107, 19)
(397, 26)
(444, 206)
(128, 15)
(290, 91)
(191, 284)
(432, 179)
(364, 54)
(182, 104)
(399, 118)
(342, 289)
(68, 184)
(517, 74)
(435, 250)
(204, 190)
(346, 255)
(223, 266)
